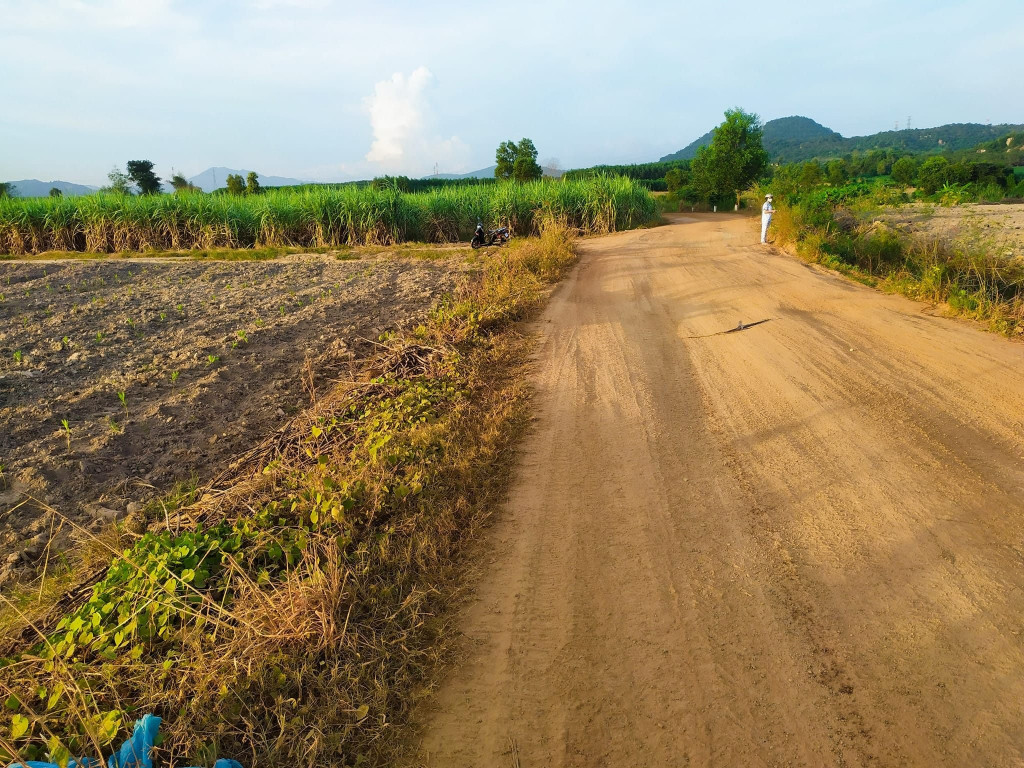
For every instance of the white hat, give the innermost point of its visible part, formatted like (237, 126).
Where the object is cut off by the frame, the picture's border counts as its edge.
(768, 196)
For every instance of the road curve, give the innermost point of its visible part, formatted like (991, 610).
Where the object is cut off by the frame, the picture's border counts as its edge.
(797, 544)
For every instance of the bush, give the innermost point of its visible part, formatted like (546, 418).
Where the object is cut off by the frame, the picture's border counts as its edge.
(904, 171)
(991, 193)
(934, 174)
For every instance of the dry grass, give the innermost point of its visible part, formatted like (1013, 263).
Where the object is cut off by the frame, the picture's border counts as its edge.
(312, 656)
(972, 275)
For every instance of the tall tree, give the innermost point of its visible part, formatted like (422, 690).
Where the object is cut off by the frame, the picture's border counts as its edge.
(6, 189)
(252, 183)
(734, 160)
(526, 167)
(836, 172)
(54, 192)
(236, 184)
(120, 182)
(517, 161)
(506, 159)
(810, 174)
(181, 184)
(933, 174)
(674, 179)
(141, 173)
(904, 171)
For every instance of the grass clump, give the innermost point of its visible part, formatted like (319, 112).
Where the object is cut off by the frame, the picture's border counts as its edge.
(292, 618)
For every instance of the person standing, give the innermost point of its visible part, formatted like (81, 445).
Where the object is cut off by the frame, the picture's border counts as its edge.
(766, 217)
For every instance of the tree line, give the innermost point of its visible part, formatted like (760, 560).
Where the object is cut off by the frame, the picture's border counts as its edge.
(139, 177)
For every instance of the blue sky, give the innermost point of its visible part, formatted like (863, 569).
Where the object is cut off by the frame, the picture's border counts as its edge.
(327, 90)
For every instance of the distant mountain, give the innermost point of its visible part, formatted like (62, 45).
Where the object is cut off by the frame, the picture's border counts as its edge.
(36, 188)
(796, 139)
(488, 173)
(690, 150)
(217, 178)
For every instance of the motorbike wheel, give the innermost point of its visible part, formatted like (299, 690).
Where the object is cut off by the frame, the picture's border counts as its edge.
(475, 243)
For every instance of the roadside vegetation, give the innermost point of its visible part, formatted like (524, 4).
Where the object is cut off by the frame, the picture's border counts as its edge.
(842, 227)
(113, 222)
(293, 616)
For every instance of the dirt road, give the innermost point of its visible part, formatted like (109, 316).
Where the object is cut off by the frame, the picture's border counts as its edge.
(797, 544)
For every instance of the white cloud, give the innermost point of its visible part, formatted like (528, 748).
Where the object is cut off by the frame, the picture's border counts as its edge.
(400, 118)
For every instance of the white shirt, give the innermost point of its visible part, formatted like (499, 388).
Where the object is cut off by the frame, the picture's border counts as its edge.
(766, 209)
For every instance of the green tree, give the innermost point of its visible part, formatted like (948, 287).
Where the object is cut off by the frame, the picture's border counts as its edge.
(836, 172)
(181, 184)
(904, 171)
(120, 183)
(506, 159)
(526, 167)
(734, 160)
(141, 173)
(54, 192)
(236, 184)
(6, 189)
(810, 174)
(252, 183)
(517, 161)
(933, 174)
(960, 173)
(674, 179)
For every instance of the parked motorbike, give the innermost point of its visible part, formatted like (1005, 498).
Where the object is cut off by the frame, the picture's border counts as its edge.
(483, 237)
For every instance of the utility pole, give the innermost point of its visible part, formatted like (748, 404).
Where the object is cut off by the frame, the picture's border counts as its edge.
(908, 122)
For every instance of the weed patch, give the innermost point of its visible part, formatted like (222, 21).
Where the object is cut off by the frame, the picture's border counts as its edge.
(971, 276)
(291, 618)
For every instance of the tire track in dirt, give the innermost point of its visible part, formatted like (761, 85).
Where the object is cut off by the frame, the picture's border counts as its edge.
(800, 544)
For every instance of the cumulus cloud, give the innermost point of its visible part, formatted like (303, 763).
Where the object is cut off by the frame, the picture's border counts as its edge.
(403, 139)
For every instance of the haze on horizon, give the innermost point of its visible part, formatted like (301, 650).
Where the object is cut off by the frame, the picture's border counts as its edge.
(325, 90)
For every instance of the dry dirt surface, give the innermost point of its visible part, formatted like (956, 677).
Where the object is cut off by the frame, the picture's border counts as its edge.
(798, 544)
(212, 357)
(991, 226)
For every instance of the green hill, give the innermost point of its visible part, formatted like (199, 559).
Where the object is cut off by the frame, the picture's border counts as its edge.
(795, 139)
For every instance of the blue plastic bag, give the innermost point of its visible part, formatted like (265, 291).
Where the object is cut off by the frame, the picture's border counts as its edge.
(134, 753)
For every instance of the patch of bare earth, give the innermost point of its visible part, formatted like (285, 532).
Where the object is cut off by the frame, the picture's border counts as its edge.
(212, 357)
(972, 224)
